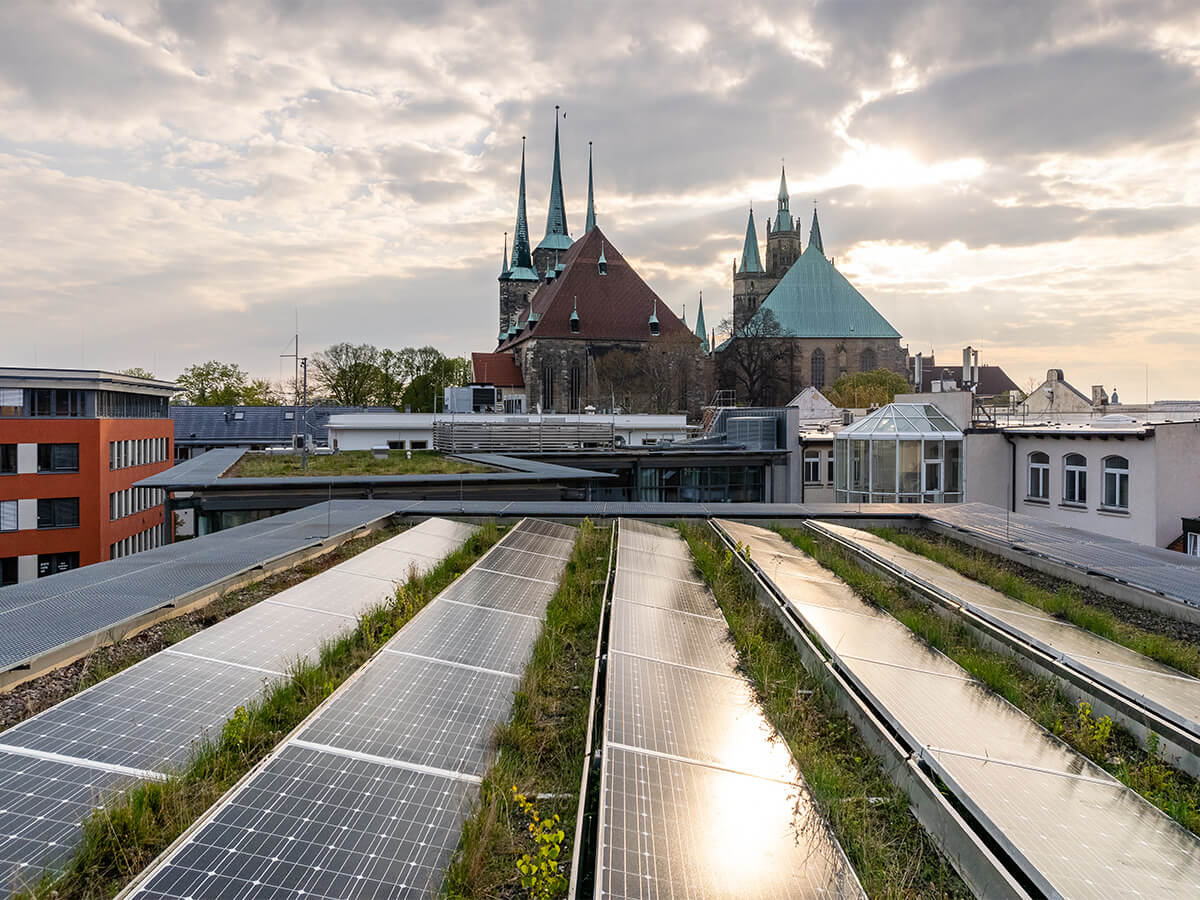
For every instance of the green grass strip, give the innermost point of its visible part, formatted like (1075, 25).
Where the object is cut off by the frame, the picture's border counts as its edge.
(869, 815)
(1065, 603)
(1100, 740)
(121, 839)
(541, 747)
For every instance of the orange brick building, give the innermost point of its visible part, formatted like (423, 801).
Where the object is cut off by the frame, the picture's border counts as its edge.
(72, 443)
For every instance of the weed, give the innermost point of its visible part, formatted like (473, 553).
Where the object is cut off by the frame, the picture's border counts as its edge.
(541, 872)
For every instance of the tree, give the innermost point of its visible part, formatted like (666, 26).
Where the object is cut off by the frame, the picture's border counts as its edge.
(863, 389)
(348, 373)
(213, 383)
(138, 372)
(424, 391)
(260, 392)
(750, 363)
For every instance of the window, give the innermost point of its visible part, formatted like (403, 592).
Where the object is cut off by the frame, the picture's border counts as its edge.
(12, 402)
(1075, 479)
(60, 403)
(52, 563)
(933, 466)
(8, 571)
(1116, 482)
(8, 459)
(867, 361)
(576, 388)
(547, 388)
(829, 468)
(60, 512)
(58, 457)
(8, 515)
(1193, 544)
(818, 368)
(1039, 476)
(812, 466)
(418, 445)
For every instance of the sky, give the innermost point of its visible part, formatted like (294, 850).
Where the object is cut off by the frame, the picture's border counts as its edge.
(183, 181)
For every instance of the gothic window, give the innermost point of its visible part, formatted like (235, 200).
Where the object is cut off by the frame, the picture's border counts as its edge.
(576, 388)
(547, 388)
(867, 360)
(818, 368)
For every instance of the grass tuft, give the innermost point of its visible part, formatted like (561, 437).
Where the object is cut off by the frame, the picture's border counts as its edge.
(133, 828)
(353, 462)
(869, 815)
(541, 746)
(1102, 741)
(1066, 603)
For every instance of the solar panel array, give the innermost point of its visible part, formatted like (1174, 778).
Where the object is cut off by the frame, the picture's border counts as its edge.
(146, 720)
(1165, 572)
(700, 799)
(1073, 829)
(367, 797)
(39, 616)
(1140, 679)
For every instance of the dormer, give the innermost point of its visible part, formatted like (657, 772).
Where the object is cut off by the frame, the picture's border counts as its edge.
(575, 318)
(654, 320)
(602, 264)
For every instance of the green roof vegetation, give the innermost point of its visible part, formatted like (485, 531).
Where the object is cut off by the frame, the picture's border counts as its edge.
(353, 462)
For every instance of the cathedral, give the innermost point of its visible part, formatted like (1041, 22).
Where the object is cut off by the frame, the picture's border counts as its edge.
(579, 328)
(797, 321)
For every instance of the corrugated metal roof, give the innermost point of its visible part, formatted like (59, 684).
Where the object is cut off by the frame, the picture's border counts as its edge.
(815, 300)
(206, 425)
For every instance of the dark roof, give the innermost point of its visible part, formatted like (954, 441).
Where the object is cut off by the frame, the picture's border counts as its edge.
(993, 380)
(616, 306)
(219, 425)
(496, 368)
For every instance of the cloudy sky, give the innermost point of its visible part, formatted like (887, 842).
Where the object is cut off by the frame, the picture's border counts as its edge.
(182, 180)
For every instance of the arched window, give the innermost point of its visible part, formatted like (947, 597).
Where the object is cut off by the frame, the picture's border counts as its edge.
(547, 388)
(1116, 482)
(576, 387)
(1075, 478)
(867, 361)
(1039, 476)
(818, 368)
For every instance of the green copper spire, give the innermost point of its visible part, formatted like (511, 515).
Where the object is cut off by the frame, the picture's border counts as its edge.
(783, 216)
(814, 234)
(701, 331)
(556, 237)
(591, 207)
(750, 258)
(522, 261)
(504, 258)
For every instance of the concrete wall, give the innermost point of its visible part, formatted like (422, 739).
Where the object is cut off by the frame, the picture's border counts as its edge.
(988, 469)
(1178, 490)
(955, 405)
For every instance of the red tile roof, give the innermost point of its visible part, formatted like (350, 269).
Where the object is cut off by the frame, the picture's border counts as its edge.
(613, 307)
(499, 369)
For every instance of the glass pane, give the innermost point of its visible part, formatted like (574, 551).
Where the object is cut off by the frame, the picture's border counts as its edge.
(859, 465)
(910, 467)
(953, 473)
(933, 449)
(883, 467)
(840, 453)
(933, 476)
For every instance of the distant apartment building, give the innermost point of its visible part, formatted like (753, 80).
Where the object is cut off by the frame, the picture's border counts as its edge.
(72, 443)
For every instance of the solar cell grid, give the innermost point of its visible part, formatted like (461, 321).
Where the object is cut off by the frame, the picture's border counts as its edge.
(525, 564)
(496, 591)
(268, 635)
(473, 635)
(42, 804)
(668, 593)
(1017, 779)
(148, 716)
(317, 825)
(550, 546)
(419, 711)
(672, 637)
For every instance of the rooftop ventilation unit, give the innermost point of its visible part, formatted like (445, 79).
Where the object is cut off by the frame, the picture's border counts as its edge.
(752, 432)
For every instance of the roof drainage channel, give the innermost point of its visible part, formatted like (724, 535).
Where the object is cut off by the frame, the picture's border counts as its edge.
(367, 796)
(698, 797)
(1064, 823)
(1147, 693)
(57, 766)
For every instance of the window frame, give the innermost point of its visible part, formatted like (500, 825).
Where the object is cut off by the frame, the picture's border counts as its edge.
(1074, 480)
(812, 463)
(9, 452)
(54, 517)
(1040, 467)
(1120, 483)
(51, 451)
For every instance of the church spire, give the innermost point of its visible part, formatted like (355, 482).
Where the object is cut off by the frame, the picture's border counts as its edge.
(591, 207)
(701, 331)
(556, 237)
(783, 216)
(750, 258)
(504, 258)
(521, 258)
(814, 234)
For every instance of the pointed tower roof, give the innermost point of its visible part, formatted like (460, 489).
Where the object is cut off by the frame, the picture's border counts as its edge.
(701, 331)
(591, 207)
(521, 268)
(814, 234)
(556, 237)
(504, 258)
(783, 216)
(750, 258)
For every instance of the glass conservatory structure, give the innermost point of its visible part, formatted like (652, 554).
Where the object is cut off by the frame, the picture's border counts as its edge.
(901, 453)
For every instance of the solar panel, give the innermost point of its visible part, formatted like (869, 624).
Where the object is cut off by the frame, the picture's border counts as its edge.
(147, 719)
(1138, 678)
(699, 797)
(368, 798)
(1018, 780)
